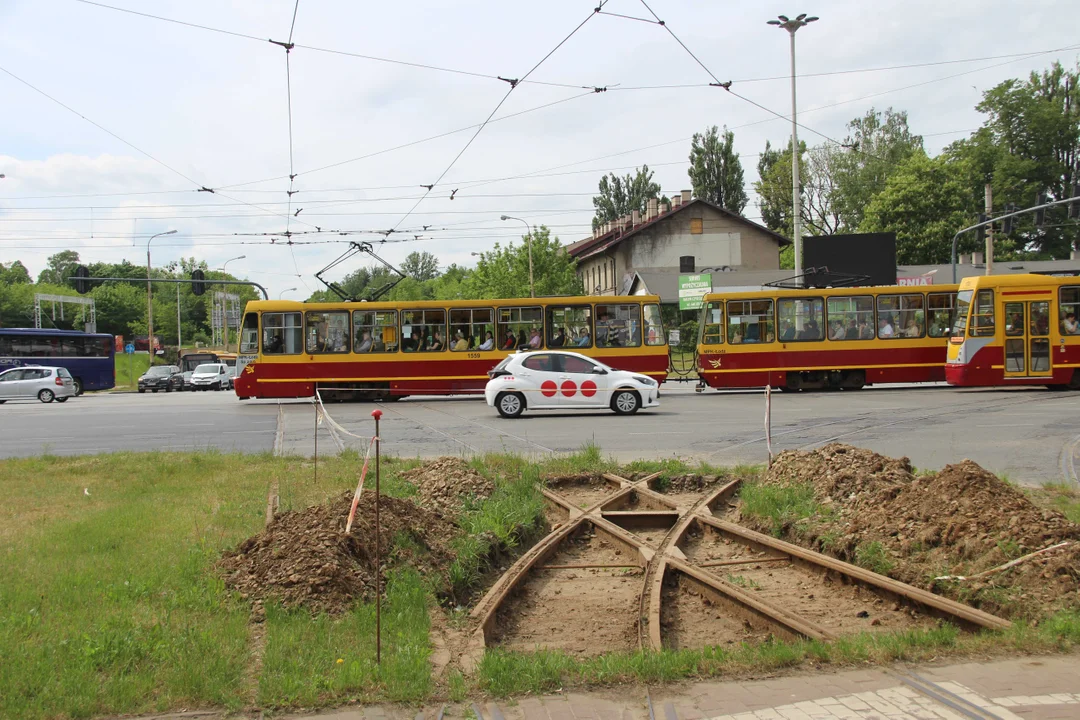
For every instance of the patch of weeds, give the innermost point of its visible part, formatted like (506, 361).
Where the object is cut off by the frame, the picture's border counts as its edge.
(1010, 548)
(589, 459)
(872, 556)
(667, 467)
(743, 582)
(780, 505)
(1061, 497)
(457, 686)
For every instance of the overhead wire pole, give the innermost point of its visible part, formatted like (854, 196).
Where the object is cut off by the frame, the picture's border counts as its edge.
(149, 299)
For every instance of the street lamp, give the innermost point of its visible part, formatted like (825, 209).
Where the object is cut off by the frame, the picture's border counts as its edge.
(796, 185)
(238, 257)
(149, 298)
(528, 242)
(285, 291)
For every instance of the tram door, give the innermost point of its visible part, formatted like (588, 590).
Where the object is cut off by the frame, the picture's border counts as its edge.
(1027, 338)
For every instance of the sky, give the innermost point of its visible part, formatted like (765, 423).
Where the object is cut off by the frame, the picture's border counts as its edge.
(134, 120)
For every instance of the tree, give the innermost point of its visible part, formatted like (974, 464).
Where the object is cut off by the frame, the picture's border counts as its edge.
(422, 266)
(621, 196)
(118, 306)
(773, 187)
(1030, 144)
(59, 267)
(716, 173)
(877, 143)
(503, 272)
(772, 213)
(925, 201)
(14, 274)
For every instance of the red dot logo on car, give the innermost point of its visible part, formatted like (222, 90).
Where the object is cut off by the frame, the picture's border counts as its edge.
(588, 388)
(569, 388)
(549, 388)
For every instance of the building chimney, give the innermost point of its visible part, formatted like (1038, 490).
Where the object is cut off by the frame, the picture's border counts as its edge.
(635, 217)
(977, 258)
(686, 196)
(677, 200)
(652, 209)
(625, 222)
(1074, 255)
(665, 207)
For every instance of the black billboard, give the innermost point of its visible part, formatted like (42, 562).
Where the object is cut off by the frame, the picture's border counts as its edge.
(872, 255)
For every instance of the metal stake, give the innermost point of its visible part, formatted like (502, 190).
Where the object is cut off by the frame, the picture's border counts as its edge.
(378, 548)
(315, 404)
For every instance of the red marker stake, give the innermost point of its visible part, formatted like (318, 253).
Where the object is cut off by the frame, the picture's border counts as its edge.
(378, 549)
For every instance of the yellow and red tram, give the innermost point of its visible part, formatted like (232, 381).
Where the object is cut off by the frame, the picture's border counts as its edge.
(395, 349)
(816, 338)
(1016, 330)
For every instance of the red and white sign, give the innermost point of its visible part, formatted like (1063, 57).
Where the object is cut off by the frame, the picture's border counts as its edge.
(916, 280)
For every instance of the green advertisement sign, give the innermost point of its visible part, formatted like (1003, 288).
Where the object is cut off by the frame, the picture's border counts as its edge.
(692, 288)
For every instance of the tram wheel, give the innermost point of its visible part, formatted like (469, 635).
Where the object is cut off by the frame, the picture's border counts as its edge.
(1074, 383)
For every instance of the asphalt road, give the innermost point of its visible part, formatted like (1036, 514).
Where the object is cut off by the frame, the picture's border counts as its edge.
(1030, 435)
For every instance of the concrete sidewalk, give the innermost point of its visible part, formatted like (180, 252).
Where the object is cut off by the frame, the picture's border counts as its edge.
(1031, 688)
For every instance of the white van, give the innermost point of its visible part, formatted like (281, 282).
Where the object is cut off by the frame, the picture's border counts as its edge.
(211, 376)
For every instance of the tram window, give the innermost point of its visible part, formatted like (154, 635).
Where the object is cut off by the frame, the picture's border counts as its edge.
(575, 323)
(1069, 300)
(618, 325)
(1039, 318)
(654, 325)
(801, 319)
(283, 333)
(712, 325)
(471, 329)
(851, 318)
(1014, 319)
(750, 321)
(423, 330)
(375, 331)
(982, 314)
(249, 333)
(901, 316)
(327, 332)
(940, 313)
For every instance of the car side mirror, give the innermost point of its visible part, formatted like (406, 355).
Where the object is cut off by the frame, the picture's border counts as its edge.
(599, 371)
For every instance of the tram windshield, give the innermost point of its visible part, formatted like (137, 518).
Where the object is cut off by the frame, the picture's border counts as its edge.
(963, 303)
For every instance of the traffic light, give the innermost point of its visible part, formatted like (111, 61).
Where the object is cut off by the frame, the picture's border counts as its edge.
(1008, 223)
(198, 287)
(1074, 206)
(82, 280)
(1040, 214)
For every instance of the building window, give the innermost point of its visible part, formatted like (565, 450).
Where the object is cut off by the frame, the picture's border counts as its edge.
(697, 226)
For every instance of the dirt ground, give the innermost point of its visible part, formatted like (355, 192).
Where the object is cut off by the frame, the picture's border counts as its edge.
(685, 490)
(959, 521)
(689, 619)
(583, 491)
(305, 557)
(583, 612)
(447, 483)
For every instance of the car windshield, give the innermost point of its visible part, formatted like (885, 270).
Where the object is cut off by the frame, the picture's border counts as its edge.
(206, 370)
(503, 363)
(155, 371)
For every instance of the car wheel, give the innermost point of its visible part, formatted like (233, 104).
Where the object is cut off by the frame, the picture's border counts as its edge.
(78, 387)
(168, 388)
(154, 391)
(46, 396)
(142, 390)
(626, 402)
(510, 404)
(63, 399)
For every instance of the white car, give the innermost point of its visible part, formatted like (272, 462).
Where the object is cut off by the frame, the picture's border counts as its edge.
(559, 380)
(35, 381)
(211, 376)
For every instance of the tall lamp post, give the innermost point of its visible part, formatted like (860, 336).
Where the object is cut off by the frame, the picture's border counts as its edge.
(528, 242)
(796, 185)
(149, 299)
(225, 305)
(285, 291)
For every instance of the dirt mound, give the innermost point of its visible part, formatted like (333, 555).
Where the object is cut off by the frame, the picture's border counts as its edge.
(688, 483)
(962, 520)
(446, 483)
(305, 558)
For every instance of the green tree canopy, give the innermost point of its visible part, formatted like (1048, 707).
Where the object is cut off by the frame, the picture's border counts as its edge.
(59, 267)
(716, 173)
(620, 196)
(421, 266)
(14, 273)
(503, 272)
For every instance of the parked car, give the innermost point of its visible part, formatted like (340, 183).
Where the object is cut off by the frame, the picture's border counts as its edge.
(211, 376)
(231, 370)
(185, 380)
(36, 381)
(161, 377)
(560, 380)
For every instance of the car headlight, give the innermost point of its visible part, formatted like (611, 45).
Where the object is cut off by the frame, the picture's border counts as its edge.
(645, 380)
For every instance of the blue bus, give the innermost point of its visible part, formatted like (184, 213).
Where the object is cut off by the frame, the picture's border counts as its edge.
(89, 357)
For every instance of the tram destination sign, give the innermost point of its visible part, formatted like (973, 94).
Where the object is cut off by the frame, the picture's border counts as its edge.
(692, 288)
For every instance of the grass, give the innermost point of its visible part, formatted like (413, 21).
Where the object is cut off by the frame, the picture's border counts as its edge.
(1061, 497)
(872, 556)
(503, 674)
(129, 368)
(780, 505)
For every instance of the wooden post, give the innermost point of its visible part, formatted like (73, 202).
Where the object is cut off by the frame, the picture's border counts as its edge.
(768, 422)
(378, 548)
(315, 404)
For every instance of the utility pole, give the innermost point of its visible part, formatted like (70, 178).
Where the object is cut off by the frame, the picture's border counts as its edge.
(149, 299)
(179, 344)
(989, 230)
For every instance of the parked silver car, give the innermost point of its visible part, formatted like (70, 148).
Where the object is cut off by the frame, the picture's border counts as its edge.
(36, 381)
